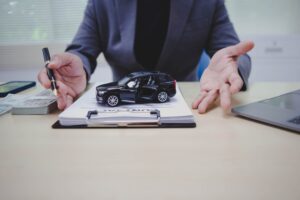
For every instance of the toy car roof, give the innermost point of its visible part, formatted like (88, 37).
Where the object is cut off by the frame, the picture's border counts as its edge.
(144, 73)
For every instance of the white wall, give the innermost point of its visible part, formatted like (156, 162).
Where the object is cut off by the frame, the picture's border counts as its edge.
(274, 26)
(265, 17)
(275, 58)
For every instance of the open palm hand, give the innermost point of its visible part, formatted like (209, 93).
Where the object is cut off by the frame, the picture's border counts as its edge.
(221, 78)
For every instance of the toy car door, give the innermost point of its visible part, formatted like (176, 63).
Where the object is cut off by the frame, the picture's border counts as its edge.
(128, 93)
(147, 89)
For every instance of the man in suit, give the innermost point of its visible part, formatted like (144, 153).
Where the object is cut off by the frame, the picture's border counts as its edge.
(162, 35)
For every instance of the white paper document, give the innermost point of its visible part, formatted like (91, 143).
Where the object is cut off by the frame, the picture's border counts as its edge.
(174, 111)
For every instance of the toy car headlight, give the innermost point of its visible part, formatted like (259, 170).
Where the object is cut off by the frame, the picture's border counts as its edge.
(101, 92)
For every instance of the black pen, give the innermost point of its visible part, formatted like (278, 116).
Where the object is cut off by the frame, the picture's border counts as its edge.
(50, 73)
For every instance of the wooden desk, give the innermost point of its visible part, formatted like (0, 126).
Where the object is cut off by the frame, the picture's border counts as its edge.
(223, 158)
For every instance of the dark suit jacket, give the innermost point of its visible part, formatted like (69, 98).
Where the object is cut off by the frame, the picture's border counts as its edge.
(108, 27)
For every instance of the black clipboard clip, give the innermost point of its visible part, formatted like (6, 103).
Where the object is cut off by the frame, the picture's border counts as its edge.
(134, 117)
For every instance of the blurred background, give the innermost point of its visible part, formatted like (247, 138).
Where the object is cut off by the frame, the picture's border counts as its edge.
(29, 25)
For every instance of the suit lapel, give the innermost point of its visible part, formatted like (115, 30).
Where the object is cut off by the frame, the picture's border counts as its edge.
(179, 13)
(126, 11)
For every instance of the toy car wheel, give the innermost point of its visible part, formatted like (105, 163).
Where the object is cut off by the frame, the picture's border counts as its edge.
(113, 100)
(162, 96)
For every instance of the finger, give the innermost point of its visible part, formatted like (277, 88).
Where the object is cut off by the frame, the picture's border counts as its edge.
(225, 97)
(69, 101)
(58, 76)
(207, 101)
(61, 103)
(64, 89)
(60, 60)
(65, 95)
(236, 83)
(64, 101)
(43, 79)
(196, 103)
(239, 49)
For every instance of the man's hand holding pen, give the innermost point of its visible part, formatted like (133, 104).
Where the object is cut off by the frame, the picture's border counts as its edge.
(70, 78)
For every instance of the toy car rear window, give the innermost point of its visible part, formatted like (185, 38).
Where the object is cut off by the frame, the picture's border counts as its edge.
(165, 78)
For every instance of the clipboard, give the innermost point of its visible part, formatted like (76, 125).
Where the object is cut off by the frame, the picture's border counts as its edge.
(154, 121)
(85, 112)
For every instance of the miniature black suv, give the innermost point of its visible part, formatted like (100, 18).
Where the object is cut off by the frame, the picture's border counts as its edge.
(137, 87)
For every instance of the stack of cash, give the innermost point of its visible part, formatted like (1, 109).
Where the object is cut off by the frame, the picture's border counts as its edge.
(40, 103)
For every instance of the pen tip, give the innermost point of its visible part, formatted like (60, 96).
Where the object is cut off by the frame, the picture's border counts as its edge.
(55, 92)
